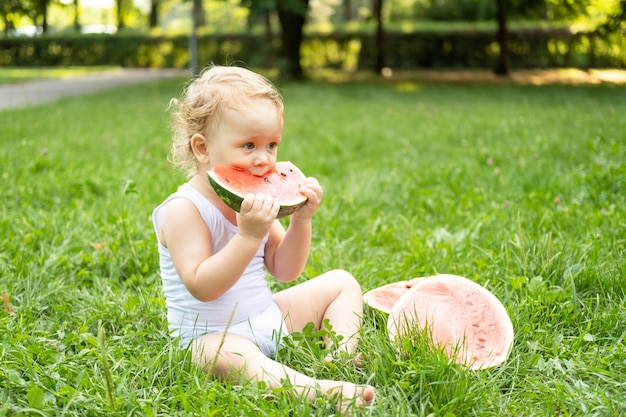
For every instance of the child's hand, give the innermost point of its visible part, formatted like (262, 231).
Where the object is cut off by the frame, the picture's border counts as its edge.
(258, 212)
(311, 188)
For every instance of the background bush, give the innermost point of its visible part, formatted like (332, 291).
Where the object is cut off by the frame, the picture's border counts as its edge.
(530, 48)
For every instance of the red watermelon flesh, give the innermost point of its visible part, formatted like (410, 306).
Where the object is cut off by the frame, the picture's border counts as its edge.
(461, 316)
(385, 297)
(233, 183)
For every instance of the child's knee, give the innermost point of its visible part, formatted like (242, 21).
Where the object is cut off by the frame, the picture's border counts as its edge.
(346, 280)
(225, 355)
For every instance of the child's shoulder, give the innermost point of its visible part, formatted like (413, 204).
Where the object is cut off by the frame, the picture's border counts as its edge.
(188, 199)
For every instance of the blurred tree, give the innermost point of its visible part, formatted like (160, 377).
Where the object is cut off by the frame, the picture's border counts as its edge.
(557, 9)
(474, 10)
(37, 11)
(121, 23)
(198, 13)
(9, 9)
(502, 64)
(615, 21)
(261, 11)
(292, 17)
(347, 10)
(43, 12)
(77, 15)
(532, 9)
(197, 20)
(153, 16)
(377, 11)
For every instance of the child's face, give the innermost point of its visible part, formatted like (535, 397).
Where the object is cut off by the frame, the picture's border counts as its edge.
(248, 138)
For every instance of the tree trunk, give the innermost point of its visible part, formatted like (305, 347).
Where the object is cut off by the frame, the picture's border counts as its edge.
(77, 15)
(377, 9)
(120, 14)
(502, 66)
(292, 24)
(196, 19)
(44, 14)
(153, 18)
(198, 13)
(347, 10)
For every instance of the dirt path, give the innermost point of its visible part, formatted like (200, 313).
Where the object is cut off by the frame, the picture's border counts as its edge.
(45, 91)
(484, 77)
(49, 90)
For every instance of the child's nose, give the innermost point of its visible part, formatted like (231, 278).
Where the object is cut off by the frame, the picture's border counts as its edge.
(261, 159)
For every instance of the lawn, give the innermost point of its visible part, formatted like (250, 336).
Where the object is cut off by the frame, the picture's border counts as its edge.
(520, 188)
(13, 75)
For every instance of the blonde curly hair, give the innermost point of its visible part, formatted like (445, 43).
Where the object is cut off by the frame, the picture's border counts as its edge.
(204, 100)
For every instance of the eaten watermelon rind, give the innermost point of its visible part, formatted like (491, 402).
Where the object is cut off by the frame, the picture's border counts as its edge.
(383, 298)
(463, 352)
(234, 200)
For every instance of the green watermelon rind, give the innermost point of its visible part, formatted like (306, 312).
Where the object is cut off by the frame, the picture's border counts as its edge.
(234, 200)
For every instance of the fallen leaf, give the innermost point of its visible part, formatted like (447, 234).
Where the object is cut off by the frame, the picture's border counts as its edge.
(7, 306)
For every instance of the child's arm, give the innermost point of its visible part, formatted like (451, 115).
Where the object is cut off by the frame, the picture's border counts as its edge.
(286, 253)
(208, 275)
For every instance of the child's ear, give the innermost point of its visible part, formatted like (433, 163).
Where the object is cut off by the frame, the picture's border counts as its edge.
(200, 148)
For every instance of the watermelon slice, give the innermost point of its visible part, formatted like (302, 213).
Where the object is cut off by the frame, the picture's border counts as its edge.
(461, 316)
(385, 297)
(231, 184)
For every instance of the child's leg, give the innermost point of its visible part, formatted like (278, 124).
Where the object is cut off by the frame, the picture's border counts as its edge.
(235, 357)
(335, 296)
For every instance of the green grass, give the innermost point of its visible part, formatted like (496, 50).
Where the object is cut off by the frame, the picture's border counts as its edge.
(14, 75)
(518, 188)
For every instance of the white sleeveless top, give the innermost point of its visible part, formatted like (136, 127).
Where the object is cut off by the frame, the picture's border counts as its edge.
(189, 317)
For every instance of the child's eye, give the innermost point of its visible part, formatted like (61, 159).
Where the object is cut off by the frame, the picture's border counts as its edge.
(272, 146)
(249, 146)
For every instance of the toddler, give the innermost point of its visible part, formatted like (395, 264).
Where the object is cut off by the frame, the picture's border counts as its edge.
(214, 260)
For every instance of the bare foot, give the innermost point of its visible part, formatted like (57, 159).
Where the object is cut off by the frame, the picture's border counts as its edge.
(358, 360)
(351, 395)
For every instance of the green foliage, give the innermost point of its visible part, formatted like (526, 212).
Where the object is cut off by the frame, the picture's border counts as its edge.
(477, 10)
(467, 10)
(518, 188)
(432, 46)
